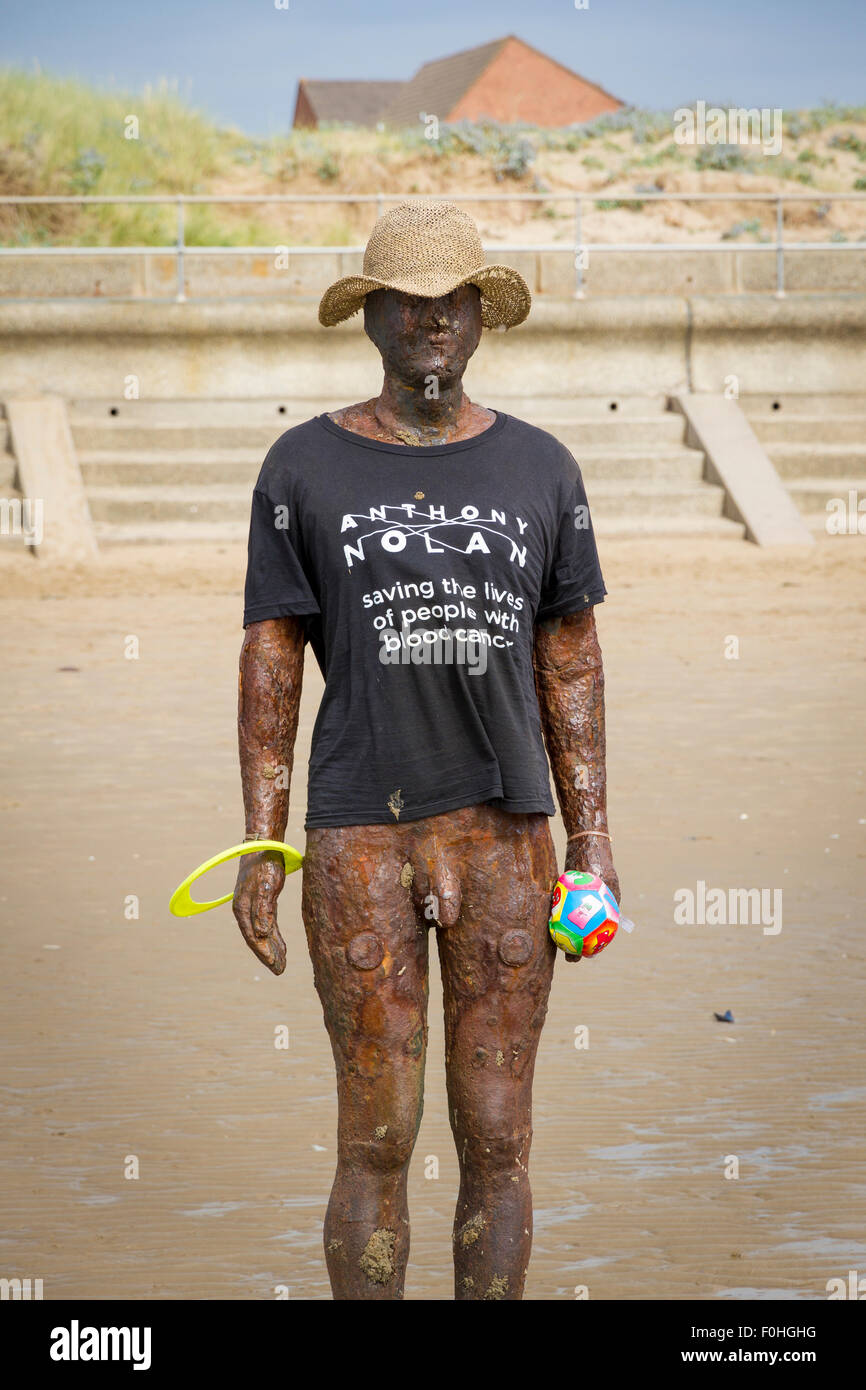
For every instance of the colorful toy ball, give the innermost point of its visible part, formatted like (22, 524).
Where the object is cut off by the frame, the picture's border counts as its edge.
(584, 916)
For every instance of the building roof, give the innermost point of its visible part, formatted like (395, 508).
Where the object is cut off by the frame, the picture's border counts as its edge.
(438, 86)
(359, 102)
(435, 89)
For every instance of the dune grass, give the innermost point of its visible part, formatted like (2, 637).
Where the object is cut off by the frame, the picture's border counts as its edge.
(59, 136)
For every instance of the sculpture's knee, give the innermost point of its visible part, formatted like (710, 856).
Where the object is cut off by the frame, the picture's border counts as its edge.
(497, 1152)
(387, 1150)
(391, 1148)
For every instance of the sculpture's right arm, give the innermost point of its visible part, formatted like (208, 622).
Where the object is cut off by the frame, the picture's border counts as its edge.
(269, 700)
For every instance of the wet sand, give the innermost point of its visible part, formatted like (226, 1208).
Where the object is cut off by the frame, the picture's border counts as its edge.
(154, 1038)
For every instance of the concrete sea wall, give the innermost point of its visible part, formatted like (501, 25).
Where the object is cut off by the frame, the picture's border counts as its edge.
(640, 345)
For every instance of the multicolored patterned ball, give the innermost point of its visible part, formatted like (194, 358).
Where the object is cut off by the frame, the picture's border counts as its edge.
(584, 916)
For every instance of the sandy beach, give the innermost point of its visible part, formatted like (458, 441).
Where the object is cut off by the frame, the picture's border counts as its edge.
(150, 1039)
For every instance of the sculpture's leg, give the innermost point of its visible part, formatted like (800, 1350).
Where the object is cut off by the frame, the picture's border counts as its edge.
(369, 956)
(497, 967)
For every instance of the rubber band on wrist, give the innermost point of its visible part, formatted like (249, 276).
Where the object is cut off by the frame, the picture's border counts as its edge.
(181, 904)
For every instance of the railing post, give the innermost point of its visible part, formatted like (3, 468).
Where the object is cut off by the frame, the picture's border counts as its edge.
(180, 294)
(380, 205)
(578, 251)
(780, 253)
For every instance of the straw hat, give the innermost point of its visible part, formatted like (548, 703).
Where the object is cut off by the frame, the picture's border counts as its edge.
(429, 249)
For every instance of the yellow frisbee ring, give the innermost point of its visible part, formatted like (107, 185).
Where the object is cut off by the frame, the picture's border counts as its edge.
(182, 905)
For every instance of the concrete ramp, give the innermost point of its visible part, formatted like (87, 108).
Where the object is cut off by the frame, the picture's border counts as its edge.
(53, 497)
(736, 460)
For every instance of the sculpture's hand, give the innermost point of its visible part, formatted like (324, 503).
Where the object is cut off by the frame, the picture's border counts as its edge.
(260, 881)
(593, 855)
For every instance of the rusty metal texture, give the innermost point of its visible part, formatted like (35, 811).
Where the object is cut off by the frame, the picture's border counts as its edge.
(480, 877)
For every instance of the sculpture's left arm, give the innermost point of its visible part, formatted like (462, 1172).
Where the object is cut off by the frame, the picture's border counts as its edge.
(569, 679)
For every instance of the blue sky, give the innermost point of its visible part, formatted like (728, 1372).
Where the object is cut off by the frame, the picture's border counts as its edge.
(240, 60)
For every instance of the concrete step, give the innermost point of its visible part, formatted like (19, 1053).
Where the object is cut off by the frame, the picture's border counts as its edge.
(175, 467)
(817, 524)
(124, 432)
(575, 407)
(170, 532)
(618, 464)
(230, 503)
(169, 503)
(643, 431)
(814, 460)
(293, 409)
(810, 429)
(235, 533)
(164, 435)
(685, 527)
(644, 500)
(812, 494)
(168, 472)
(827, 403)
(211, 467)
(196, 411)
(262, 410)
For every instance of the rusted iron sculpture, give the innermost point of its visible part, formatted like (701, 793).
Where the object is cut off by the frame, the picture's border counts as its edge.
(490, 873)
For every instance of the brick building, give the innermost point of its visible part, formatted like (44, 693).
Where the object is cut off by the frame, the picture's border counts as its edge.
(506, 80)
(360, 103)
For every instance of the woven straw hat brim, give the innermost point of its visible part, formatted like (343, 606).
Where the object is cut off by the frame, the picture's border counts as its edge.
(505, 297)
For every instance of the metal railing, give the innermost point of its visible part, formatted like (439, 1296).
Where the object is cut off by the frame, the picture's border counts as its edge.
(578, 248)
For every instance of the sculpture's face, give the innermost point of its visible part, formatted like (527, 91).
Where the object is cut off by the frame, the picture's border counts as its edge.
(421, 338)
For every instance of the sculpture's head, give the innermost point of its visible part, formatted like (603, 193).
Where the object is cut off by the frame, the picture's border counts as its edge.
(426, 291)
(421, 337)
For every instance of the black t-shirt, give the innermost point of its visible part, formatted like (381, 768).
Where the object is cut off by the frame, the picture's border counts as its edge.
(420, 573)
